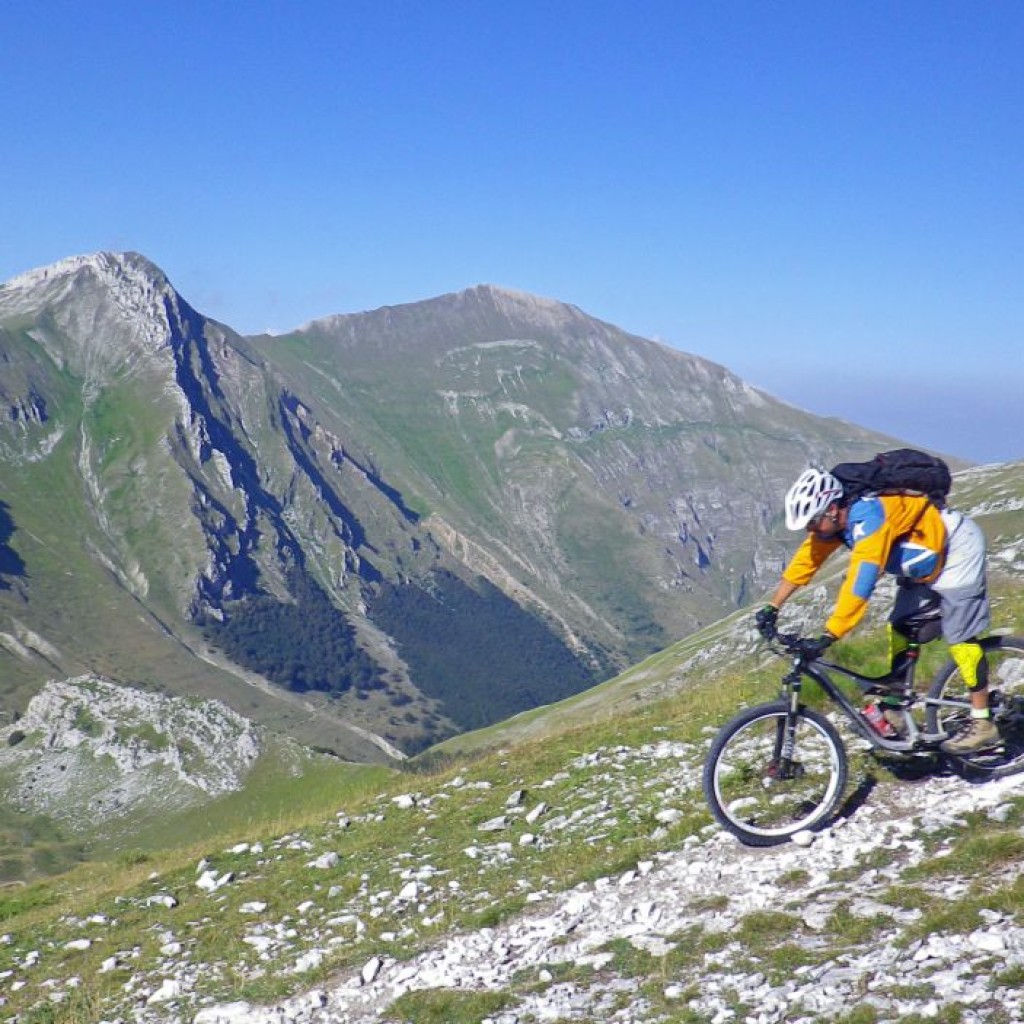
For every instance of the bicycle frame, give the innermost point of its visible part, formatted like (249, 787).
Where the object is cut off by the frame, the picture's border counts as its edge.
(915, 741)
(780, 767)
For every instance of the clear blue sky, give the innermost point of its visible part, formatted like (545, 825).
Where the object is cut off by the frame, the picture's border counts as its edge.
(825, 197)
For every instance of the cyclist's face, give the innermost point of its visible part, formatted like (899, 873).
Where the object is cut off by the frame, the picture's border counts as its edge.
(828, 524)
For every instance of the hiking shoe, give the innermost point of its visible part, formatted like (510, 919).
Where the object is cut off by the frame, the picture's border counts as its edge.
(980, 734)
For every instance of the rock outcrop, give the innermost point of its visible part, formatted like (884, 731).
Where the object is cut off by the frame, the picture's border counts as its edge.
(88, 750)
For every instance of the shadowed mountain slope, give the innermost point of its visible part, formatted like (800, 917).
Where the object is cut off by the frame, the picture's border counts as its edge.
(378, 530)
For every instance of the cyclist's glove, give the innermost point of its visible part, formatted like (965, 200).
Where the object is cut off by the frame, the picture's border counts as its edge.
(815, 646)
(766, 620)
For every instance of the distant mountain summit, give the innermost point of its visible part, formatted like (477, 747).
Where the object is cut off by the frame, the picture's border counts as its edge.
(108, 306)
(381, 528)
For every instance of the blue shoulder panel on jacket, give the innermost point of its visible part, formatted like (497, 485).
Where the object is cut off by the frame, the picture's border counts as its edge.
(867, 515)
(867, 577)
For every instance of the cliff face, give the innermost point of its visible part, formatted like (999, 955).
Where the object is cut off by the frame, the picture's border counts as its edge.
(173, 489)
(87, 750)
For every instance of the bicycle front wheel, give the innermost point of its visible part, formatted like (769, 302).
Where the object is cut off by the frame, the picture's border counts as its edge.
(763, 797)
(1004, 656)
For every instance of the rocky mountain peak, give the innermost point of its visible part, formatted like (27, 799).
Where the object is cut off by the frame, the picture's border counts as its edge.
(521, 305)
(127, 274)
(590, 488)
(102, 311)
(482, 313)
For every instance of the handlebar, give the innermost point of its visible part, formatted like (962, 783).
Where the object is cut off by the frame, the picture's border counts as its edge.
(790, 643)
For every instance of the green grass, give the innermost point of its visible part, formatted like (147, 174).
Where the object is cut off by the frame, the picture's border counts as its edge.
(276, 799)
(438, 833)
(861, 1015)
(19, 901)
(567, 768)
(580, 761)
(442, 1006)
(982, 843)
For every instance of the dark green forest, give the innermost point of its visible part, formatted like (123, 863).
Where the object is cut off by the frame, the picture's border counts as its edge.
(477, 651)
(308, 645)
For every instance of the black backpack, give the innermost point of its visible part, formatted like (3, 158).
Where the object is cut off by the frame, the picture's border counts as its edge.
(902, 471)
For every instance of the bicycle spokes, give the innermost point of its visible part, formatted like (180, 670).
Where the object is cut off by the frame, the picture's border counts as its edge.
(762, 795)
(785, 770)
(1004, 658)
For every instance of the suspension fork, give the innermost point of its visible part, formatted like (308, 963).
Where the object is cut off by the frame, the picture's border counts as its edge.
(785, 737)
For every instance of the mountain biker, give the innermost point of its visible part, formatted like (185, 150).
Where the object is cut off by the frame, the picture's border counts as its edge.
(938, 557)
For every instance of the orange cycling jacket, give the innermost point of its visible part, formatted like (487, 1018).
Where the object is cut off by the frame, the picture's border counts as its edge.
(899, 534)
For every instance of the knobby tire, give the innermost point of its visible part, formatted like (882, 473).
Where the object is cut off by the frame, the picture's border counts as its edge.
(1005, 658)
(756, 800)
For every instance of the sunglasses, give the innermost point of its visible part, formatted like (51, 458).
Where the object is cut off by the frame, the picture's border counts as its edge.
(830, 515)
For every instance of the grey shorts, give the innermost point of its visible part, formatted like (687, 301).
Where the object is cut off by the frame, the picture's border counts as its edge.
(960, 592)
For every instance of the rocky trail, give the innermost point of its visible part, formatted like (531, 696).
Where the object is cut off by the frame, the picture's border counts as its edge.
(704, 929)
(713, 883)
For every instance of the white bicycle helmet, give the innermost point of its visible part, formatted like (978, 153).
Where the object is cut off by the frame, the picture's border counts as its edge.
(813, 492)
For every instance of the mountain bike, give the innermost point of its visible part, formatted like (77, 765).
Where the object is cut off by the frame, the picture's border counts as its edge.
(781, 768)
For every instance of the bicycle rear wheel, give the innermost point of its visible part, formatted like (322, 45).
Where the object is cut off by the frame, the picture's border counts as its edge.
(1005, 658)
(759, 796)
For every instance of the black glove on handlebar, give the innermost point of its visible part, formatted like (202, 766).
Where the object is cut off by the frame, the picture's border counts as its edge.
(815, 646)
(766, 619)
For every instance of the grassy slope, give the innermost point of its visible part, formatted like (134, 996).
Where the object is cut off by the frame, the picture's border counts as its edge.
(673, 695)
(43, 916)
(296, 819)
(73, 599)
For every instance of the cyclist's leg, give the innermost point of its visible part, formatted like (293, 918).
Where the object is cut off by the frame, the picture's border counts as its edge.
(965, 617)
(970, 659)
(914, 619)
(898, 642)
(963, 593)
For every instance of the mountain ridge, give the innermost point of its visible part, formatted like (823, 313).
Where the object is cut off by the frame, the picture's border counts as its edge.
(558, 863)
(506, 300)
(483, 456)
